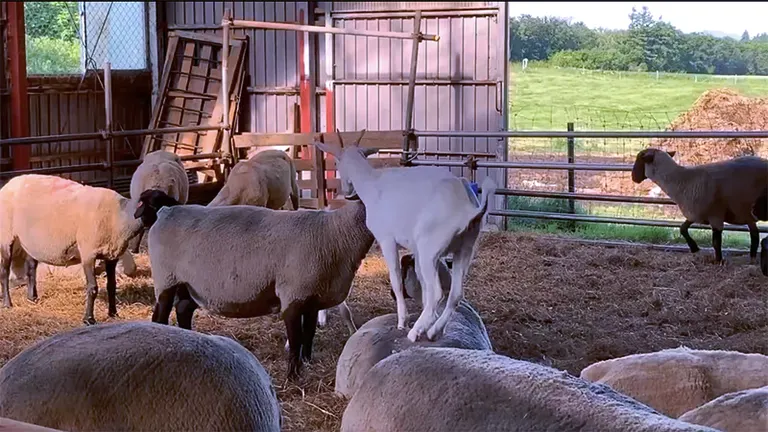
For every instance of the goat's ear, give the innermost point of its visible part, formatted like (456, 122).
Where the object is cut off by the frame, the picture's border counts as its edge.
(328, 148)
(360, 137)
(638, 169)
(672, 153)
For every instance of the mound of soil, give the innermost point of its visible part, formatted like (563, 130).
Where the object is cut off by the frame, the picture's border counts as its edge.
(719, 110)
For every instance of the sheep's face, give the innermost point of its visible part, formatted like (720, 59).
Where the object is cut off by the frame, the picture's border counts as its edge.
(150, 201)
(764, 256)
(644, 164)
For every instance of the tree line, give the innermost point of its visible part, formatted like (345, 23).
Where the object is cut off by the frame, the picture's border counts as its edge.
(649, 44)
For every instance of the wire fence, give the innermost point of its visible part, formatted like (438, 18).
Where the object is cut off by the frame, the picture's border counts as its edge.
(71, 38)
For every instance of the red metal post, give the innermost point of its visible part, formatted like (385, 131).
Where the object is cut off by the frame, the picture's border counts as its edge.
(17, 54)
(330, 124)
(304, 101)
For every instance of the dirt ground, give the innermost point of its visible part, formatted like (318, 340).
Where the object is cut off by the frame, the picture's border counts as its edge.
(543, 299)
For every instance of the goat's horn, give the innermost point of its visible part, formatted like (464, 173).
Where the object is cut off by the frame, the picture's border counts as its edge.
(341, 141)
(357, 141)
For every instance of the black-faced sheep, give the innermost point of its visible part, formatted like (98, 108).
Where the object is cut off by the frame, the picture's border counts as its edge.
(743, 411)
(268, 179)
(247, 261)
(674, 381)
(139, 376)
(61, 222)
(713, 194)
(450, 389)
(160, 170)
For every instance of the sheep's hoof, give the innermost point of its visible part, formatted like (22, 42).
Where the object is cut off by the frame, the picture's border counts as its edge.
(113, 314)
(33, 300)
(7, 304)
(89, 321)
(752, 260)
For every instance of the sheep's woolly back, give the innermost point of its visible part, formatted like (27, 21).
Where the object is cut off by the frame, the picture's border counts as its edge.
(442, 389)
(379, 338)
(690, 378)
(248, 261)
(267, 179)
(744, 411)
(139, 376)
(78, 219)
(161, 170)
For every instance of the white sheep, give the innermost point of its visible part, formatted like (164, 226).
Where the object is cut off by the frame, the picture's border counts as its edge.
(61, 222)
(732, 191)
(139, 376)
(247, 261)
(674, 381)
(161, 170)
(742, 411)
(426, 210)
(380, 338)
(431, 389)
(267, 179)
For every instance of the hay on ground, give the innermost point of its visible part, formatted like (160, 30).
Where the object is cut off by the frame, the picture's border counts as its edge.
(542, 299)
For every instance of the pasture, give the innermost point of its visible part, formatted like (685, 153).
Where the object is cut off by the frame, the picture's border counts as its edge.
(542, 298)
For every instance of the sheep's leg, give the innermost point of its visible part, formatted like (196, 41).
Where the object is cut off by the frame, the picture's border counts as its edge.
(461, 261)
(5, 273)
(91, 290)
(688, 239)
(185, 309)
(346, 315)
(754, 241)
(430, 280)
(111, 269)
(163, 306)
(137, 239)
(322, 317)
(717, 244)
(309, 326)
(31, 269)
(389, 251)
(293, 327)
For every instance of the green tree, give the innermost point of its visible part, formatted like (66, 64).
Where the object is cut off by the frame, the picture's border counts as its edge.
(745, 36)
(55, 20)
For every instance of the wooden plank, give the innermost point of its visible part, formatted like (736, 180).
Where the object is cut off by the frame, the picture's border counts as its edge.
(371, 139)
(175, 116)
(319, 175)
(204, 37)
(311, 203)
(308, 165)
(170, 53)
(330, 183)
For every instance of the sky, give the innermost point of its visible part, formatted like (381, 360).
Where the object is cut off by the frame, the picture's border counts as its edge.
(727, 17)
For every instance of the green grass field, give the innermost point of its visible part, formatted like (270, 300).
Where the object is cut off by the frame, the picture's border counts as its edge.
(545, 98)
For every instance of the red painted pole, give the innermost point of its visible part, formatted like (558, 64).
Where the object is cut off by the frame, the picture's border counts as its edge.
(17, 54)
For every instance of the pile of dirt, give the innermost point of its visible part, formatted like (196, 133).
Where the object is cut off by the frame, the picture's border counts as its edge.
(719, 110)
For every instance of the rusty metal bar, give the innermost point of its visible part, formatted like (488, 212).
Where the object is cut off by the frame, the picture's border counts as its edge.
(108, 113)
(56, 170)
(426, 14)
(225, 25)
(318, 29)
(593, 134)
(137, 162)
(103, 135)
(585, 197)
(529, 165)
(605, 219)
(416, 41)
(17, 63)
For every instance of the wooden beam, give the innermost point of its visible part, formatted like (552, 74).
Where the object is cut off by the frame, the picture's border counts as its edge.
(17, 55)
(371, 139)
(330, 165)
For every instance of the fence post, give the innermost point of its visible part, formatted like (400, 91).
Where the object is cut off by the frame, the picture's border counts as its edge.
(408, 130)
(571, 174)
(108, 113)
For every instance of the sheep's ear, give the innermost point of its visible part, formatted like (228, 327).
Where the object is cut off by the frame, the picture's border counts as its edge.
(140, 207)
(672, 153)
(638, 169)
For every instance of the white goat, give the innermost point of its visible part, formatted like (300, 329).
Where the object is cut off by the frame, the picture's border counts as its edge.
(426, 210)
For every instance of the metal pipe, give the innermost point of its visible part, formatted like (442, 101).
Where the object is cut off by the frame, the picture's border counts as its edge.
(108, 113)
(666, 248)
(44, 139)
(530, 165)
(225, 24)
(426, 14)
(488, 83)
(606, 219)
(585, 197)
(318, 29)
(137, 162)
(593, 134)
(56, 170)
(416, 41)
(439, 153)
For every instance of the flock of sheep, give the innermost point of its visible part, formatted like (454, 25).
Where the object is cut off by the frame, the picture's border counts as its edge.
(248, 254)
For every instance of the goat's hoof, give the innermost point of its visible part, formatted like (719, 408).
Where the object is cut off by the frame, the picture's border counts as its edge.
(433, 334)
(89, 321)
(413, 335)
